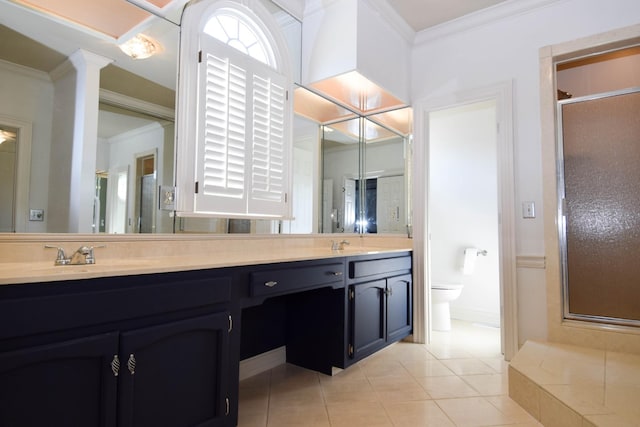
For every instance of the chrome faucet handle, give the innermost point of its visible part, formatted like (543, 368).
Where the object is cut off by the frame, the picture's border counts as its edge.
(84, 255)
(61, 258)
(338, 246)
(90, 257)
(79, 257)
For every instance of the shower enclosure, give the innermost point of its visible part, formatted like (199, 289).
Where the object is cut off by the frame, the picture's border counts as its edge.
(599, 206)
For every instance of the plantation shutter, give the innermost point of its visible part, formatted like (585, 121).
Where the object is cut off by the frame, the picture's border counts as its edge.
(242, 151)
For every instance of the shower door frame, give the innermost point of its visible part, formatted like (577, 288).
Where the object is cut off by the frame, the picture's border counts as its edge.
(562, 214)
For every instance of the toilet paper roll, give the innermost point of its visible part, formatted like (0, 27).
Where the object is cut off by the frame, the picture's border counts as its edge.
(470, 256)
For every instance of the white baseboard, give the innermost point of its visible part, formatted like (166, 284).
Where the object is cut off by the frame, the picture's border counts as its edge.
(263, 362)
(477, 316)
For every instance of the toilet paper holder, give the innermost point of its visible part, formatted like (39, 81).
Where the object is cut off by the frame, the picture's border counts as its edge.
(482, 252)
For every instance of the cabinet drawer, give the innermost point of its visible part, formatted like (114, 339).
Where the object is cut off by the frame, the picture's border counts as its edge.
(293, 279)
(108, 302)
(366, 268)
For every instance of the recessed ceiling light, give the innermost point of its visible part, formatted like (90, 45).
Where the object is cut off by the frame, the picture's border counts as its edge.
(140, 47)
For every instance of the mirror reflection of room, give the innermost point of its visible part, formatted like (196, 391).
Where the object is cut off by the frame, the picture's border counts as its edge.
(108, 193)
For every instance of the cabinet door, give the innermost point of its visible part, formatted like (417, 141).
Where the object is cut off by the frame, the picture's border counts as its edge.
(175, 375)
(399, 314)
(368, 317)
(62, 384)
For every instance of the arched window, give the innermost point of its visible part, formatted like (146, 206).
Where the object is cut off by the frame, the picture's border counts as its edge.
(239, 32)
(242, 115)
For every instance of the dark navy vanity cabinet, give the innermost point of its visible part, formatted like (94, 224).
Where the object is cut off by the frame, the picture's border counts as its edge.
(380, 304)
(147, 350)
(164, 349)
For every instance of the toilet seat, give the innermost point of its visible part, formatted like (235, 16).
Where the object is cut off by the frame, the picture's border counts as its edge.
(447, 286)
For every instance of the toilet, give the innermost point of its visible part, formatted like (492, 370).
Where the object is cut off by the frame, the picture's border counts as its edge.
(441, 295)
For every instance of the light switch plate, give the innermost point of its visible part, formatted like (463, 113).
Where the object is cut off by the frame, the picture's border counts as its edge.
(36, 214)
(167, 198)
(528, 210)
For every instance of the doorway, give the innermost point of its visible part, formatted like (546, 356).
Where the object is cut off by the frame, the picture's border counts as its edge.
(145, 193)
(502, 93)
(463, 214)
(8, 168)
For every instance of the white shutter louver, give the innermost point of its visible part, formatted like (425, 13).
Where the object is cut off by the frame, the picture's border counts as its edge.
(224, 129)
(267, 174)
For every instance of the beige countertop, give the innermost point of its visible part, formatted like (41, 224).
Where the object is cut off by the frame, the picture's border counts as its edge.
(25, 260)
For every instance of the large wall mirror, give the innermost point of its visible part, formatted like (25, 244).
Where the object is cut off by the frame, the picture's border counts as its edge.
(135, 134)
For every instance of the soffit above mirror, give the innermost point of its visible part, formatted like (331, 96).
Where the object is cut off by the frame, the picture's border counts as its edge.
(357, 92)
(348, 132)
(400, 120)
(322, 109)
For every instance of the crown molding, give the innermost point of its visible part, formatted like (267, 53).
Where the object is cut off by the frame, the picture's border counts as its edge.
(481, 17)
(390, 15)
(24, 70)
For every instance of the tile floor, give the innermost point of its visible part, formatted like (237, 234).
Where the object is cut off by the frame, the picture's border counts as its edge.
(459, 379)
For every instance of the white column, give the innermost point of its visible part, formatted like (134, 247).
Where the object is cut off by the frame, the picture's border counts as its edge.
(74, 145)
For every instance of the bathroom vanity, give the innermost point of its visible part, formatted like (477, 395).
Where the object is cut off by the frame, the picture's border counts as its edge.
(164, 348)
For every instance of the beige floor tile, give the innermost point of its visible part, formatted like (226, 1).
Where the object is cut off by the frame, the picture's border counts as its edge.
(468, 366)
(624, 400)
(416, 414)
(353, 373)
(623, 369)
(398, 389)
(299, 415)
(514, 412)
(254, 399)
(261, 380)
(442, 352)
(582, 398)
(293, 375)
(446, 387)
(473, 412)
(498, 364)
(348, 391)
(426, 368)
(361, 414)
(292, 395)
(404, 351)
(252, 420)
(394, 387)
(374, 368)
(554, 413)
(488, 384)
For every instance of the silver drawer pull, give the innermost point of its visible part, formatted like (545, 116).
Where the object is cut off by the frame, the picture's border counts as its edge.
(336, 273)
(270, 284)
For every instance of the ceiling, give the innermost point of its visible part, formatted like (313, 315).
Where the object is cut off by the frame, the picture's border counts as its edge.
(423, 14)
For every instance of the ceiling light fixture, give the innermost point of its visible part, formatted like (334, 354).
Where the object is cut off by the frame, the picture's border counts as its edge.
(141, 47)
(6, 135)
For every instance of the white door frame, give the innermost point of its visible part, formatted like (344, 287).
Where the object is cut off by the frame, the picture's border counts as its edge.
(502, 93)
(23, 174)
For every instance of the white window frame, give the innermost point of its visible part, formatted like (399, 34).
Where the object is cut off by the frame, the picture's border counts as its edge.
(189, 157)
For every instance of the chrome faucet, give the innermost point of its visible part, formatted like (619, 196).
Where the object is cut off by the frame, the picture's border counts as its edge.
(82, 256)
(338, 246)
